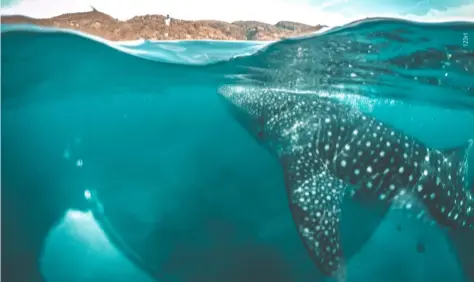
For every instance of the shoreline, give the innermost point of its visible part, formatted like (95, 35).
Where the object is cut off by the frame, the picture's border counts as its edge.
(153, 27)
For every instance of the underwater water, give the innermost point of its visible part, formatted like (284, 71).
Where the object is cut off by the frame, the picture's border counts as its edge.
(123, 163)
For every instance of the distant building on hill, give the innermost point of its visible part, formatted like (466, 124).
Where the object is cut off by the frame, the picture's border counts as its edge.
(167, 20)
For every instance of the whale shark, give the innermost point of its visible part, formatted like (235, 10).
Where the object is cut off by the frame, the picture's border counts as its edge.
(329, 150)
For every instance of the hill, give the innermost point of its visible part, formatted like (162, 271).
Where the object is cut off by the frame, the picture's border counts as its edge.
(154, 27)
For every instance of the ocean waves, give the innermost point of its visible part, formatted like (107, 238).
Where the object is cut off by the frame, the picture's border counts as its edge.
(377, 58)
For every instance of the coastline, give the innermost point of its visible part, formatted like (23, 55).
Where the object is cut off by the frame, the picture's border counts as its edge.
(153, 27)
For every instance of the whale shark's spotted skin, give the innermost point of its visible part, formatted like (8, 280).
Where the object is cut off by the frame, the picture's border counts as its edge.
(328, 150)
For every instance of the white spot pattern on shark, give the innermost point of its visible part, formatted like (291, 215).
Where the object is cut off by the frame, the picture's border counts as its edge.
(329, 150)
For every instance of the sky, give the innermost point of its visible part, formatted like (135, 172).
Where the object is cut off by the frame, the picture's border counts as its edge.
(327, 12)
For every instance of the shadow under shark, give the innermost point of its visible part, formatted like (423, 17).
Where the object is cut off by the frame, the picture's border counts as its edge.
(329, 150)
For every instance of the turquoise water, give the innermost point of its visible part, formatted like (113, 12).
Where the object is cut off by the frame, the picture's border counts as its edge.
(180, 190)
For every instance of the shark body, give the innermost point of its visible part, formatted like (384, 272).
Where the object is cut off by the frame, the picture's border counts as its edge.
(329, 150)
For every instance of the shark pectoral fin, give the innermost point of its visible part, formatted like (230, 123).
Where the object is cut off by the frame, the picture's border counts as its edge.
(412, 207)
(315, 199)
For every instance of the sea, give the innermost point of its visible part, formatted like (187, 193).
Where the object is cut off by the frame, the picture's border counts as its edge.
(120, 161)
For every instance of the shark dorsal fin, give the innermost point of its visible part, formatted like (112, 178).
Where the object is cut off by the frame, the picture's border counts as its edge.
(457, 159)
